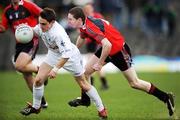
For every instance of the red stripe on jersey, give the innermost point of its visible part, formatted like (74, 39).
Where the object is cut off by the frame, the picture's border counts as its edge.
(99, 29)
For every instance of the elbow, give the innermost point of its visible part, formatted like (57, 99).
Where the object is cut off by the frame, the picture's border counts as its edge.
(109, 46)
(78, 46)
(106, 45)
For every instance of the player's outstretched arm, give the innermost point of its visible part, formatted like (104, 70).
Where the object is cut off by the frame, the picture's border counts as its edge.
(60, 64)
(106, 48)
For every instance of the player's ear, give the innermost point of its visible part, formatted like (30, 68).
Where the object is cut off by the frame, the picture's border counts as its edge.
(52, 22)
(79, 19)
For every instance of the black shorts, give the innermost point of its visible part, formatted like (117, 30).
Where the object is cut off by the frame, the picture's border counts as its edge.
(121, 60)
(29, 48)
(91, 47)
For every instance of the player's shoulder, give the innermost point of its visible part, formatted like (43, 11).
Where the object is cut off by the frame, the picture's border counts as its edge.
(58, 27)
(92, 22)
(98, 15)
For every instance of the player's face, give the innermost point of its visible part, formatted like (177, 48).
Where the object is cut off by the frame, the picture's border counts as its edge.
(73, 22)
(44, 24)
(88, 10)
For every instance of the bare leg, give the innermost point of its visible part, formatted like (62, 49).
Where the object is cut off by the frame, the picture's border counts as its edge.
(29, 80)
(139, 84)
(24, 63)
(38, 87)
(90, 91)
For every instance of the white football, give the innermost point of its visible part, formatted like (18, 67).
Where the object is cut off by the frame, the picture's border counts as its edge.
(24, 33)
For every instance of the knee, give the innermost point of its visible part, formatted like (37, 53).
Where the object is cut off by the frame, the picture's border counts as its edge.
(19, 67)
(81, 86)
(38, 81)
(87, 75)
(134, 84)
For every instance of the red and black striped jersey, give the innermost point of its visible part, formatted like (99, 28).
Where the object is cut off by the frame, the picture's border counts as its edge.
(96, 15)
(100, 29)
(26, 12)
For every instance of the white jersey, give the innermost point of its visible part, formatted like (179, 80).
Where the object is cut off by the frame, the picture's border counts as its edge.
(57, 40)
(59, 46)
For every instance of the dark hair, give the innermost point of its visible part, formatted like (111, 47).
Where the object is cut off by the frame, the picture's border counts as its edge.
(77, 12)
(48, 14)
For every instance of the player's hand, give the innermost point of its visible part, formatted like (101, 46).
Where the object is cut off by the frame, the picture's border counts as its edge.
(97, 67)
(52, 74)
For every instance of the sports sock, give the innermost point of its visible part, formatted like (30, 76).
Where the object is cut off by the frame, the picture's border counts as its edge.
(43, 100)
(93, 94)
(84, 96)
(37, 96)
(103, 81)
(158, 93)
(92, 80)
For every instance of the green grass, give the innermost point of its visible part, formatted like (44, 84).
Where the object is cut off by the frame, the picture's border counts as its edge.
(123, 103)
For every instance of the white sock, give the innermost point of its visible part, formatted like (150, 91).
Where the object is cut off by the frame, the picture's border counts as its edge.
(94, 96)
(37, 96)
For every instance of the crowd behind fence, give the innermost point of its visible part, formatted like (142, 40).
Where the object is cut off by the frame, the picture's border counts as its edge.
(149, 26)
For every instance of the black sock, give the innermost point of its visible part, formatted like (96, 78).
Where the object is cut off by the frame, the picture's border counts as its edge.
(43, 100)
(84, 96)
(92, 80)
(158, 93)
(103, 81)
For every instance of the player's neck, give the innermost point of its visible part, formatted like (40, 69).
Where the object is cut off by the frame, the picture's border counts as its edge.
(15, 5)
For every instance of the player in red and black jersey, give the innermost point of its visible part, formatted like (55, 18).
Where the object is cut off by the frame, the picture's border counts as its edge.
(23, 12)
(114, 50)
(92, 46)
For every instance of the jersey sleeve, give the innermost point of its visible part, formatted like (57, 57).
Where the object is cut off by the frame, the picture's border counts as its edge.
(36, 30)
(65, 45)
(33, 8)
(95, 32)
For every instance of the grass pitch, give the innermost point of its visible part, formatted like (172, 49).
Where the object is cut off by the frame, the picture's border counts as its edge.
(123, 103)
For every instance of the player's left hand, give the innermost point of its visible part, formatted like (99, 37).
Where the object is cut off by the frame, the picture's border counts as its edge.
(52, 74)
(97, 67)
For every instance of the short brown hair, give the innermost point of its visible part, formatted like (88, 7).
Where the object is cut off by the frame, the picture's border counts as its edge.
(77, 12)
(48, 14)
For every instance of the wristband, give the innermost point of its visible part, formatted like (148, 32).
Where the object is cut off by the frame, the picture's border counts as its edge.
(55, 69)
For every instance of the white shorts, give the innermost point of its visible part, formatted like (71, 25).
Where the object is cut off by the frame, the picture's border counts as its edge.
(74, 65)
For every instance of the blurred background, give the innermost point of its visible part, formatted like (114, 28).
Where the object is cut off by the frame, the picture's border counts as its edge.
(150, 27)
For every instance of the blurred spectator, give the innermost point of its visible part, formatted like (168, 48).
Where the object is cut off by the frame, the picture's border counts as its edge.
(82, 2)
(131, 8)
(153, 18)
(112, 9)
(116, 7)
(89, 11)
(171, 21)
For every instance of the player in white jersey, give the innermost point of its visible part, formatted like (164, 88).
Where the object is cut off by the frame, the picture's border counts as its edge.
(61, 53)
